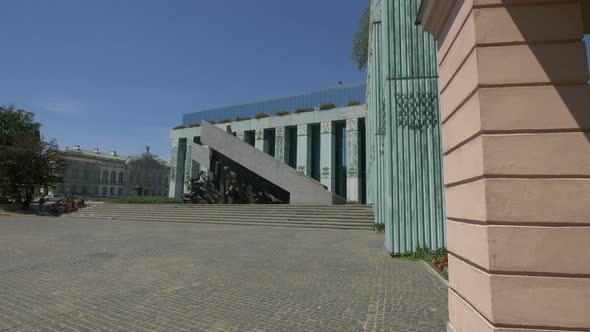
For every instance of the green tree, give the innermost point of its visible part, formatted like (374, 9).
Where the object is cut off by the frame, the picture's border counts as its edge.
(26, 160)
(14, 121)
(360, 41)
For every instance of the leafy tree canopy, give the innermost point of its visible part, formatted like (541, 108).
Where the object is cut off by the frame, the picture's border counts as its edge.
(360, 41)
(26, 161)
(13, 121)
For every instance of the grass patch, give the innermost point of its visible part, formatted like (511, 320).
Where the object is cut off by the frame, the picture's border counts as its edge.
(225, 121)
(283, 113)
(243, 118)
(353, 103)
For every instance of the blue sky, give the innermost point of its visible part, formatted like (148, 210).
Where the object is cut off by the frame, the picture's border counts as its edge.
(119, 74)
(114, 74)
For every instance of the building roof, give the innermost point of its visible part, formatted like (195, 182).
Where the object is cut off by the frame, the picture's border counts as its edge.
(94, 154)
(340, 96)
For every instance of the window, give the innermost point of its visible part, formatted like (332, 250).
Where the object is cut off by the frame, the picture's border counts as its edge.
(587, 40)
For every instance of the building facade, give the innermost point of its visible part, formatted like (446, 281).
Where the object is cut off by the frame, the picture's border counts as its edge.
(320, 134)
(93, 173)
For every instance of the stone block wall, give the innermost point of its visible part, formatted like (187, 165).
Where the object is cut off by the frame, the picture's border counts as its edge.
(515, 107)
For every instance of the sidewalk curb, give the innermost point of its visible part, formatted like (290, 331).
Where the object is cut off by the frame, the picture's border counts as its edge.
(438, 276)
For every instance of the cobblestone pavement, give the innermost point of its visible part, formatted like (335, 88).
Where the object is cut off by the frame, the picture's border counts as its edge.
(89, 275)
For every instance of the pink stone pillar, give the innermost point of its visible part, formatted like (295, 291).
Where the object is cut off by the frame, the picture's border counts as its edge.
(515, 107)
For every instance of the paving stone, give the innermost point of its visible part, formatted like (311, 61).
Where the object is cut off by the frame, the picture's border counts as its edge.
(63, 274)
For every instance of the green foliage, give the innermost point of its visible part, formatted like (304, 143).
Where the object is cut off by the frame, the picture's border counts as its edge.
(261, 115)
(14, 121)
(360, 41)
(353, 103)
(379, 228)
(304, 110)
(179, 127)
(225, 121)
(243, 118)
(424, 253)
(283, 113)
(26, 160)
(327, 106)
(194, 125)
(143, 200)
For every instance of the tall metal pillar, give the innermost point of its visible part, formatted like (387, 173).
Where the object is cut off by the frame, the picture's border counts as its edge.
(282, 144)
(260, 143)
(327, 155)
(353, 180)
(304, 149)
(177, 167)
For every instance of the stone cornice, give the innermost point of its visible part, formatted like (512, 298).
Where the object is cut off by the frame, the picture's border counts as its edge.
(434, 14)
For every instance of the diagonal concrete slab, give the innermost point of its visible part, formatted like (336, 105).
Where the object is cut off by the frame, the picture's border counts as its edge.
(303, 190)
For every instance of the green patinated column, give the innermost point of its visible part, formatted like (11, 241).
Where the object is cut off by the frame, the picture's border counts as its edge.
(177, 165)
(304, 149)
(191, 167)
(281, 145)
(412, 138)
(260, 143)
(353, 179)
(327, 155)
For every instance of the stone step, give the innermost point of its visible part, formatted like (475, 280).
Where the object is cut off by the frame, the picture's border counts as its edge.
(231, 207)
(235, 218)
(353, 217)
(233, 213)
(364, 227)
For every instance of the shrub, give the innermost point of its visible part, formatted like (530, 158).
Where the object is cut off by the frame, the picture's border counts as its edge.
(243, 118)
(225, 121)
(283, 113)
(327, 106)
(194, 125)
(424, 253)
(353, 103)
(304, 110)
(379, 228)
(179, 127)
(261, 115)
(211, 121)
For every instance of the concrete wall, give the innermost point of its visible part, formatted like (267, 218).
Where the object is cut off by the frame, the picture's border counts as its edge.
(516, 121)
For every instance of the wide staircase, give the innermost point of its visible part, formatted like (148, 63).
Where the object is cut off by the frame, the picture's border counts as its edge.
(348, 217)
